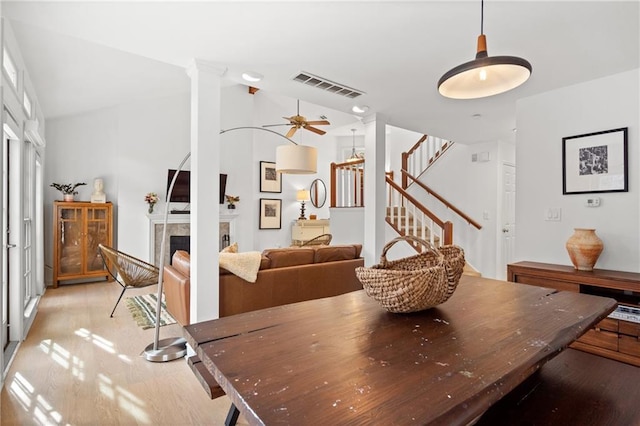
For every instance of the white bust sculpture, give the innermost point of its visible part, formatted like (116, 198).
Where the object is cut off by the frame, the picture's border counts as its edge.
(98, 195)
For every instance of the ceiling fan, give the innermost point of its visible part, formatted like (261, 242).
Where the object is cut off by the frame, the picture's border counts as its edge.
(299, 122)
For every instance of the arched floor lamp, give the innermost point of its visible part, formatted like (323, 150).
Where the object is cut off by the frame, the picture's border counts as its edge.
(290, 159)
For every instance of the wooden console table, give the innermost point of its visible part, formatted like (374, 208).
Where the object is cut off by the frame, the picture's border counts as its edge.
(345, 360)
(305, 230)
(611, 338)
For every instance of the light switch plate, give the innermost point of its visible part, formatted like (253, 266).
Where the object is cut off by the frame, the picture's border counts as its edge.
(553, 214)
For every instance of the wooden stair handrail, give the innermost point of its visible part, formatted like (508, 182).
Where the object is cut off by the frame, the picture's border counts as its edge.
(347, 163)
(442, 200)
(446, 226)
(417, 144)
(333, 197)
(415, 202)
(405, 158)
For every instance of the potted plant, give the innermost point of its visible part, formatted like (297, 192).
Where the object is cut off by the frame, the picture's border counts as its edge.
(151, 199)
(232, 200)
(68, 189)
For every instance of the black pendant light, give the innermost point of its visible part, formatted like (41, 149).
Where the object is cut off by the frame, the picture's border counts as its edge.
(485, 75)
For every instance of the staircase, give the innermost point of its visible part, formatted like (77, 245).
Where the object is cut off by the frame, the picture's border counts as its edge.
(408, 217)
(422, 155)
(405, 223)
(405, 214)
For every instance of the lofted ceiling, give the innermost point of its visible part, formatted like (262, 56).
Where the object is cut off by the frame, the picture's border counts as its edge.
(83, 56)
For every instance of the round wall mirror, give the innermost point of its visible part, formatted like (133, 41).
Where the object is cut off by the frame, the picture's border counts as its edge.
(318, 193)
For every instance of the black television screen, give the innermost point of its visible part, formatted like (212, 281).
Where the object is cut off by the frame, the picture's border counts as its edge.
(182, 187)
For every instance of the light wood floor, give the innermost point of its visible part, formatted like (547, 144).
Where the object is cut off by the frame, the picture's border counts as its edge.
(80, 367)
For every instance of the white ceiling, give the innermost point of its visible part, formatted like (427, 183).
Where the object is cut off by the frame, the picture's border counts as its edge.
(83, 56)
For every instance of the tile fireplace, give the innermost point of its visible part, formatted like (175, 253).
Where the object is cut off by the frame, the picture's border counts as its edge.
(179, 226)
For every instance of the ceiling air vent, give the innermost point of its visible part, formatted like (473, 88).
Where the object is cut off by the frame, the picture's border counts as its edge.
(328, 85)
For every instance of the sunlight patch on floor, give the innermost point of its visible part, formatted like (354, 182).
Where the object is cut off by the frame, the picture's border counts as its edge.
(22, 390)
(99, 341)
(125, 358)
(61, 356)
(57, 352)
(126, 400)
(102, 343)
(43, 412)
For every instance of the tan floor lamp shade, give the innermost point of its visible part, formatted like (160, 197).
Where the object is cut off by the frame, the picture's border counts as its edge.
(296, 159)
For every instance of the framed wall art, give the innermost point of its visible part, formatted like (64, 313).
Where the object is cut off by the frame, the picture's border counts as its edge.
(595, 162)
(270, 179)
(270, 213)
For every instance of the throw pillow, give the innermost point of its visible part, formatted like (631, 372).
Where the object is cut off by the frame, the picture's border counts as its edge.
(233, 248)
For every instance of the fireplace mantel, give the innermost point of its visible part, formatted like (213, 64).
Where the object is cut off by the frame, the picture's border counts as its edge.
(179, 224)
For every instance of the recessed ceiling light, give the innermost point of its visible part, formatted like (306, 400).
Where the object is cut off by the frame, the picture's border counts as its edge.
(251, 76)
(360, 109)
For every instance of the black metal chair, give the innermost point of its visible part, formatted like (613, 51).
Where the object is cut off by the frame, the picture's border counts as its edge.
(128, 271)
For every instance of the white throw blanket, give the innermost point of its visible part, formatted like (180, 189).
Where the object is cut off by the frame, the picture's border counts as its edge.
(244, 265)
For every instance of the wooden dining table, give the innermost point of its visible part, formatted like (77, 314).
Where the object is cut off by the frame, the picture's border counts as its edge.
(345, 360)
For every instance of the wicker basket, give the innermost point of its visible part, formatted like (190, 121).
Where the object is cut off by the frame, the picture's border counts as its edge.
(414, 283)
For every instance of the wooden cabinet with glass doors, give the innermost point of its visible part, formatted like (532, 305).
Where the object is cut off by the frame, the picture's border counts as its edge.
(78, 229)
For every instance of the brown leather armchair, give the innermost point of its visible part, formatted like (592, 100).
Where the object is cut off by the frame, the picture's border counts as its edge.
(177, 286)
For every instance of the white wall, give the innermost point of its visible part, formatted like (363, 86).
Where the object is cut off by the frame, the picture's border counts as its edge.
(267, 110)
(543, 120)
(131, 146)
(398, 141)
(237, 160)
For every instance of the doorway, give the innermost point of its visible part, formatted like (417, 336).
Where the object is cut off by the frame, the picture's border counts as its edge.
(507, 229)
(4, 221)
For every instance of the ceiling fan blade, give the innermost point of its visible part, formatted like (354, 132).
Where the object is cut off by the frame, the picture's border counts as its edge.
(291, 132)
(274, 125)
(314, 130)
(318, 122)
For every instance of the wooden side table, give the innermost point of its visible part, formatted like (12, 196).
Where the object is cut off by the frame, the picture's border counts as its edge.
(305, 230)
(612, 338)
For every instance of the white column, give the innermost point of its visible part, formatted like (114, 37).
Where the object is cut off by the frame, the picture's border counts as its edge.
(374, 188)
(205, 184)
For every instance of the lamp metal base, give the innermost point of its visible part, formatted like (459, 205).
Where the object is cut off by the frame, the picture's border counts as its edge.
(168, 349)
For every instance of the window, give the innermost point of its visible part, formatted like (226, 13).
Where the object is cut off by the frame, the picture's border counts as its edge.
(10, 68)
(26, 103)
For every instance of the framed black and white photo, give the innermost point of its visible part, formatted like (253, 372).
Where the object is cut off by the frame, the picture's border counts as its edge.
(595, 162)
(270, 213)
(270, 179)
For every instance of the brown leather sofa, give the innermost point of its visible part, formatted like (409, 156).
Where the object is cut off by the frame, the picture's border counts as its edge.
(286, 275)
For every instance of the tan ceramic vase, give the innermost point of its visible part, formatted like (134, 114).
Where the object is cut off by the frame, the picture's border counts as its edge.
(584, 248)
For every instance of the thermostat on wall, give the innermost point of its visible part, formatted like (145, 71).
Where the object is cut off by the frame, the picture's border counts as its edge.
(592, 202)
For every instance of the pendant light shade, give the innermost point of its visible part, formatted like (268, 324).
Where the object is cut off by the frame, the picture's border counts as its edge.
(296, 159)
(485, 75)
